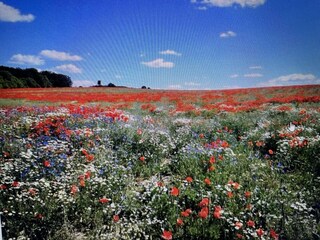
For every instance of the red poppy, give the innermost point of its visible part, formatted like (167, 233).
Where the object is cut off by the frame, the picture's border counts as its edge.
(74, 189)
(82, 182)
(259, 232)
(201, 135)
(166, 235)
(217, 214)
(224, 144)
(160, 184)
(250, 223)
(186, 213)
(204, 212)
(273, 234)
(239, 236)
(204, 202)
(3, 186)
(212, 168)
(32, 191)
(15, 184)
(142, 158)
(46, 163)
(174, 191)
(103, 200)
(179, 222)
(212, 160)
(207, 181)
(189, 210)
(218, 208)
(84, 152)
(259, 143)
(247, 194)
(230, 194)
(116, 218)
(87, 175)
(90, 157)
(238, 225)
(236, 185)
(189, 179)
(270, 152)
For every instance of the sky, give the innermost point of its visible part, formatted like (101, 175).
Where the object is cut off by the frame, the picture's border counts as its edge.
(165, 44)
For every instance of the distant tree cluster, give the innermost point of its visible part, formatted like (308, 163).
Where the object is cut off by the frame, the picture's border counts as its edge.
(144, 87)
(31, 78)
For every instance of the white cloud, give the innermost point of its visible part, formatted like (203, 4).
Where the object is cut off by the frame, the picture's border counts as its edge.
(230, 3)
(255, 67)
(175, 86)
(253, 75)
(70, 68)
(228, 34)
(83, 83)
(170, 52)
(292, 79)
(118, 76)
(11, 14)
(61, 56)
(203, 8)
(26, 59)
(158, 63)
(234, 76)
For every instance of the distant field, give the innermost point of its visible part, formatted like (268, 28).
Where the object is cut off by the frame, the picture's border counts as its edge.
(126, 98)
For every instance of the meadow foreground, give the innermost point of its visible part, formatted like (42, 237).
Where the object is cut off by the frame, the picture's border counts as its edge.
(133, 164)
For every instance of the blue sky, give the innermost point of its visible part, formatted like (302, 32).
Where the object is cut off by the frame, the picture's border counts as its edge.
(167, 44)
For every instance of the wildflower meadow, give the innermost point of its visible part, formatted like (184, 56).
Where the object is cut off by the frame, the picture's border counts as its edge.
(95, 163)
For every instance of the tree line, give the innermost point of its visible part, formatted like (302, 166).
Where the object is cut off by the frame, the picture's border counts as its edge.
(31, 78)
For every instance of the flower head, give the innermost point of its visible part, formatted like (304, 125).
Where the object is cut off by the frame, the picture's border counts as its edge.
(204, 202)
(207, 181)
(166, 235)
(103, 200)
(174, 191)
(250, 223)
(46, 163)
(273, 234)
(204, 212)
(116, 218)
(259, 232)
(189, 179)
(179, 222)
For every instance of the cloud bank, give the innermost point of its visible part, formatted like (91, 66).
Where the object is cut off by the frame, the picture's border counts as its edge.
(26, 59)
(60, 56)
(230, 3)
(170, 52)
(11, 14)
(228, 34)
(292, 79)
(158, 63)
(70, 68)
